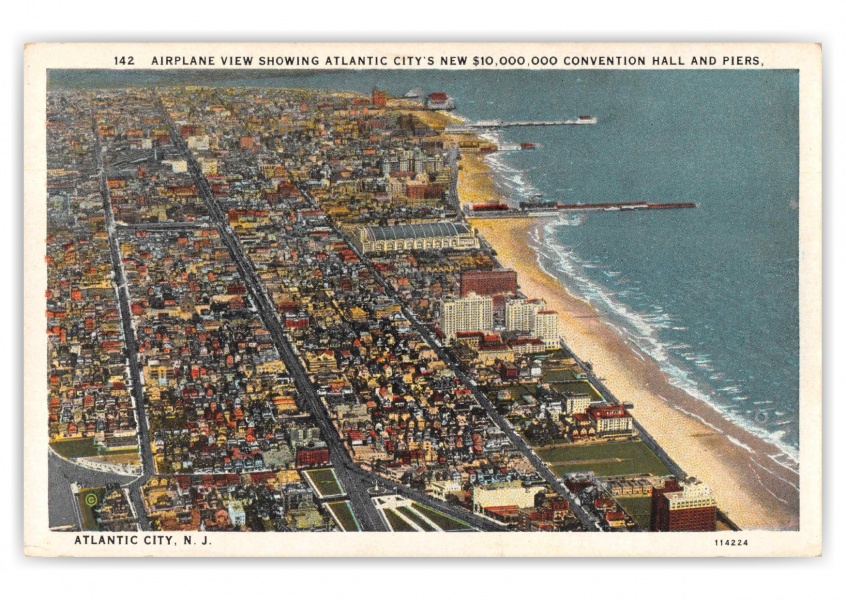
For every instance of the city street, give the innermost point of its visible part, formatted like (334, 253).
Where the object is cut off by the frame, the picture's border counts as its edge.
(148, 465)
(354, 479)
(519, 442)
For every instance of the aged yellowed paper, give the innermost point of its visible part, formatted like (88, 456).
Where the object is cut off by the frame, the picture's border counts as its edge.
(423, 300)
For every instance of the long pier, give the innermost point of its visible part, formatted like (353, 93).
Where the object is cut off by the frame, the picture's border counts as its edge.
(502, 211)
(499, 124)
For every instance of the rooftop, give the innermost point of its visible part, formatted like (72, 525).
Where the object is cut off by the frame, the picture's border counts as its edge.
(417, 230)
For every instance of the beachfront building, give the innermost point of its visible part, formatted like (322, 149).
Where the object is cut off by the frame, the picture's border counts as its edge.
(473, 313)
(488, 283)
(440, 101)
(546, 328)
(683, 507)
(526, 345)
(531, 315)
(576, 403)
(379, 98)
(497, 283)
(418, 236)
(520, 313)
(611, 421)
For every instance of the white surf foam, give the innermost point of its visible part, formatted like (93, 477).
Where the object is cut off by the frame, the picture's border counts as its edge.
(642, 330)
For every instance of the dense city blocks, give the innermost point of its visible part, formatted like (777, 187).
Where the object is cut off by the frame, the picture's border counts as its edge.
(267, 311)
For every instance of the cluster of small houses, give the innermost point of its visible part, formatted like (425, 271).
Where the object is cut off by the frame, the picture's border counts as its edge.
(393, 400)
(218, 398)
(88, 392)
(260, 501)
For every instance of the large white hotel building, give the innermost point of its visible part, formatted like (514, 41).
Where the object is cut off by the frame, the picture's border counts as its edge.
(471, 313)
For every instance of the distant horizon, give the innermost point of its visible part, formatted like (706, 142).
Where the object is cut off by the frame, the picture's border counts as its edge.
(69, 78)
(54, 76)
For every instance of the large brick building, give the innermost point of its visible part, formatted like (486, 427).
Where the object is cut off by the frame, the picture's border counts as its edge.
(488, 283)
(379, 98)
(312, 457)
(687, 507)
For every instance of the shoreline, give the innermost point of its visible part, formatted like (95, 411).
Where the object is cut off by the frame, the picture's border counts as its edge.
(753, 489)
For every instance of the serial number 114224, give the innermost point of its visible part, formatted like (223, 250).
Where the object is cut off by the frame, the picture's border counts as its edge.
(731, 542)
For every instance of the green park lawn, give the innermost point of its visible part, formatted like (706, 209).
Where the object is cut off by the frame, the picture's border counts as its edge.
(344, 515)
(441, 520)
(75, 448)
(397, 522)
(605, 459)
(414, 516)
(89, 523)
(325, 482)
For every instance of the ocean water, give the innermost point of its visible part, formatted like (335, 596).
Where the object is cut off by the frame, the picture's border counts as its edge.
(710, 293)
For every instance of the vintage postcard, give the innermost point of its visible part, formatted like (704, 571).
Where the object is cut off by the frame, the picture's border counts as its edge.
(423, 300)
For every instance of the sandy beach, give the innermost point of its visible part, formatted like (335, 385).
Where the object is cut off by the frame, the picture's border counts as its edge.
(752, 489)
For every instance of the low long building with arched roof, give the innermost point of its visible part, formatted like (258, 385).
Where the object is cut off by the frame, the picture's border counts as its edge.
(418, 236)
